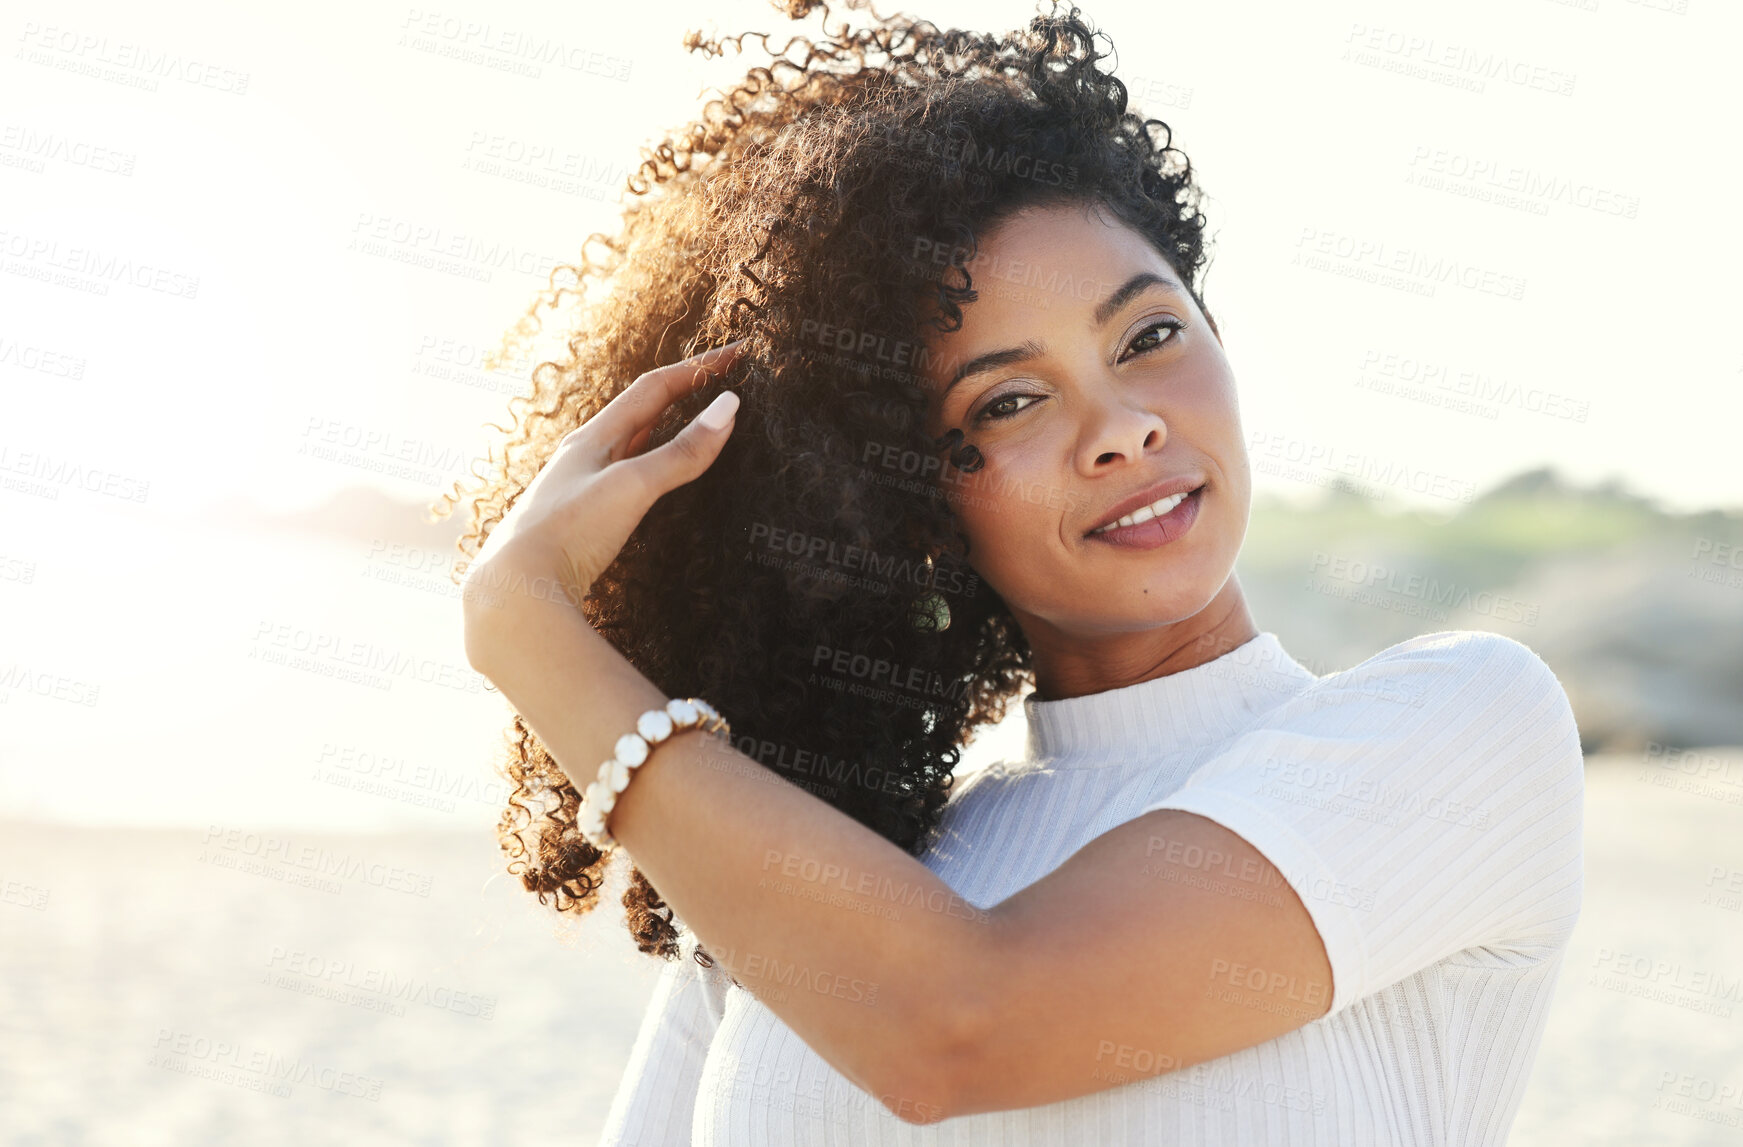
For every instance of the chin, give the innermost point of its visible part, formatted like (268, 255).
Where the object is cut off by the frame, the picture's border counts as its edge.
(1132, 609)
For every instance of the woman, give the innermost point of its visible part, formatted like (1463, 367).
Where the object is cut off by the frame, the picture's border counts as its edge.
(968, 427)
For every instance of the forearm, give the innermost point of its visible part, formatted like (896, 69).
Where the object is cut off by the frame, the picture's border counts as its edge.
(791, 895)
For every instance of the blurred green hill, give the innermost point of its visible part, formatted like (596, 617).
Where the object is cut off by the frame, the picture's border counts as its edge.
(1639, 611)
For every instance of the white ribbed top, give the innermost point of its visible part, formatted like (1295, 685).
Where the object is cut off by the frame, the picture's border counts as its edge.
(1426, 807)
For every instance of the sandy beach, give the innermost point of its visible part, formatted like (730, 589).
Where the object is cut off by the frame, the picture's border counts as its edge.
(201, 987)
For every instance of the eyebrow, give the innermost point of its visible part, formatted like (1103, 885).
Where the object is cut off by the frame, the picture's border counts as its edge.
(1029, 348)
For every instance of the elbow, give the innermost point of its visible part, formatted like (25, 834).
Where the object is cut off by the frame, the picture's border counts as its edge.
(480, 615)
(931, 1075)
(471, 625)
(916, 1112)
(914, 1095)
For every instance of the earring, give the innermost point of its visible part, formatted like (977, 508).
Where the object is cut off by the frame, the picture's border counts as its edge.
(931, 613)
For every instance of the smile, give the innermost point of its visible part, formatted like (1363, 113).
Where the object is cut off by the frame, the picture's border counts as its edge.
(1143, 513)
(1147, 527)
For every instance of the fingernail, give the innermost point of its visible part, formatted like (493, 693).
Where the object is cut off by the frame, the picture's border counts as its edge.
(720, 411)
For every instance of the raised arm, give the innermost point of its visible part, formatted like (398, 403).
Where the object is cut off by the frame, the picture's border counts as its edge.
(942, 1010)
(1135, 945)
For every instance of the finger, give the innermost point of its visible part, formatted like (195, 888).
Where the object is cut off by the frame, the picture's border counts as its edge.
(690, 452)
(643, 400)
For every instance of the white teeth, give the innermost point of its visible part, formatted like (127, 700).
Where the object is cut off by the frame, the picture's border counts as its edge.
(1144, 514)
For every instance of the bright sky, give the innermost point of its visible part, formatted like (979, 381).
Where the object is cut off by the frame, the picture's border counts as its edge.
(201, 280)
(1311, 126)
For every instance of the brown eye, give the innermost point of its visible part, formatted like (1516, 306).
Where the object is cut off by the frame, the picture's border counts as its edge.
(1141, 344)
(1000, 408)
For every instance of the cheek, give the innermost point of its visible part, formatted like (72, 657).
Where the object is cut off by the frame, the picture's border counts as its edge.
(1003, 555)
(1011, 510)
(1026, 488)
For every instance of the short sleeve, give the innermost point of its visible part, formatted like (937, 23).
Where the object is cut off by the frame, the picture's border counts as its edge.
(1425, 803)
(655, 1101)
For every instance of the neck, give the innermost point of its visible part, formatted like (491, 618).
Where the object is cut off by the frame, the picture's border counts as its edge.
(1074, 665)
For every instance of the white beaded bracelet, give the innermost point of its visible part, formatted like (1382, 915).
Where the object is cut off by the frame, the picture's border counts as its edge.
(632, 749)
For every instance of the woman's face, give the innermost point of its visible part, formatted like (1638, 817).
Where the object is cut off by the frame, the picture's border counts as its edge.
(1108, 390)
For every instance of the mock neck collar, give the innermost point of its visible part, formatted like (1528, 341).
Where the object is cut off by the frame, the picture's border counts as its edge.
(1202, 705)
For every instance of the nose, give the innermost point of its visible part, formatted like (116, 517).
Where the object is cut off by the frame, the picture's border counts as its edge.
(1118, 429)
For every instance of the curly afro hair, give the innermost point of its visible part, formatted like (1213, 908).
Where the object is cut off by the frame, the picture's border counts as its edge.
(824, 209)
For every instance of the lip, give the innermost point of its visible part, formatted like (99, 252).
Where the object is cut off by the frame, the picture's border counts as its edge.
(1144, 497)
(1155, 532)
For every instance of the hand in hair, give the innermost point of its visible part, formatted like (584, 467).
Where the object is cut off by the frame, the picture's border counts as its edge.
(601, 481)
